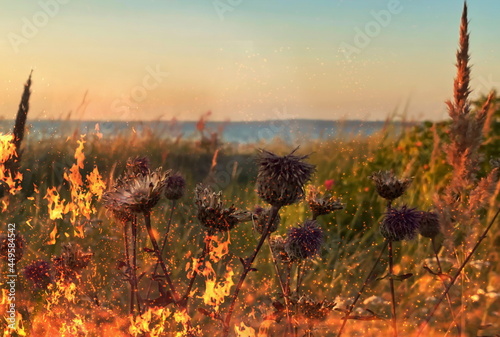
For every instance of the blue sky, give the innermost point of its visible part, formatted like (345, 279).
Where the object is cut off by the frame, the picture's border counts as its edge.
(241, 59)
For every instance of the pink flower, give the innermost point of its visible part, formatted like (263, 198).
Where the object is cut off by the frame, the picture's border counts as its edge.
(329, 184)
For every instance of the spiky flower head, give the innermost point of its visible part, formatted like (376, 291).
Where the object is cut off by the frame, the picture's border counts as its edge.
(280, 180)
(71, 262)
(400, 223)
(138, 166)
(278, 243)
(38, 272)
(175, 187)
(322, 204)
(314, 310)
(304, 241)
(136, 194)
(429, 225)
(12, 249)
(388, 185)
(261, 217)
(211, 211)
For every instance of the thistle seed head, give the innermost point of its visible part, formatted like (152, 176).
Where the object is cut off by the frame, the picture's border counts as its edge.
(280, 180)
(429, 225)
(322, 204)
(175, 187)
(261, 217)
(400, 224)
(304, 241)
(314, 310)
(138, 166)
(389, 186)
(38, 272)
(71, 262)
(136, 194)
(211, 211)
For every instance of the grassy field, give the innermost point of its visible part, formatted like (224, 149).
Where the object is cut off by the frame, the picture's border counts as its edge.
(86, 266)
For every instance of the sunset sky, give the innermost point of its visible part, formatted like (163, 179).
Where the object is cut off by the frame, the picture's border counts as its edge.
(241, 59)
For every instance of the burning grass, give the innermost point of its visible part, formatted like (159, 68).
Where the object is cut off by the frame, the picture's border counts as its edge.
(144, 236)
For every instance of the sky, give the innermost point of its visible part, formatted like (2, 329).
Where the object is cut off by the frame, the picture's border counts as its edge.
(241, 59)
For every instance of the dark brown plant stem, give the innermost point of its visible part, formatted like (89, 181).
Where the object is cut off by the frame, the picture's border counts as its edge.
(247, 267)
(129, 268)
(201, 259)
(457, 274)
(440, 270)
(285, 287)
(365, 283)
(134, 263)
(163, 245)
(299, 278)
(393, 295)
(147, 220)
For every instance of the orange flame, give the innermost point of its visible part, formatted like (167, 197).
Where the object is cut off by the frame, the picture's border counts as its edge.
(8, 152)
(244, 331)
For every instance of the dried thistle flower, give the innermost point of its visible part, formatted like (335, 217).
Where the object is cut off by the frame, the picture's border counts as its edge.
(136, 194)
(138, 166)
(400, 224)
(280, 180)
(38, 272)
(304, 241)
(211, 211)
(388, 186)
(261, 218)
(429, 225)
(277, 243)
(175, 187)
(14, 246)
(314, 310)
(322, 204)
(71, 262)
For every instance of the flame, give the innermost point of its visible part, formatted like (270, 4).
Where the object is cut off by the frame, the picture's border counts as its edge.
(244, 331)
(53, 236)
(97, 129)
(8, 152)
(83, 194)
(142, 324)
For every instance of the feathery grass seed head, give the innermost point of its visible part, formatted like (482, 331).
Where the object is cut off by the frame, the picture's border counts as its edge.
(400, 223)
(280, 180)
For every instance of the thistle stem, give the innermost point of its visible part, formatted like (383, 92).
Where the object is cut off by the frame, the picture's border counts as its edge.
(201, 259)
(440, 270)
(163, 245)
(393, 295)
(457, 274)
(247, 267)
(134, 263)
(147, 220)
(129, 268)
(365, 283)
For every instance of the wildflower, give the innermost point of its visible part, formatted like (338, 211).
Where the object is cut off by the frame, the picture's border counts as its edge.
(388, 186)
(280, 180)
(38, 272)
(136, 194)
(329, 184)
(429, 225)
(71, 262)
(138, 166)
(322, 205)
(16, 251)
(277, 243)
(400, 224)
(314, 310)
(261, 219)
(304, 241)
(175, 187)
(211, 211)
